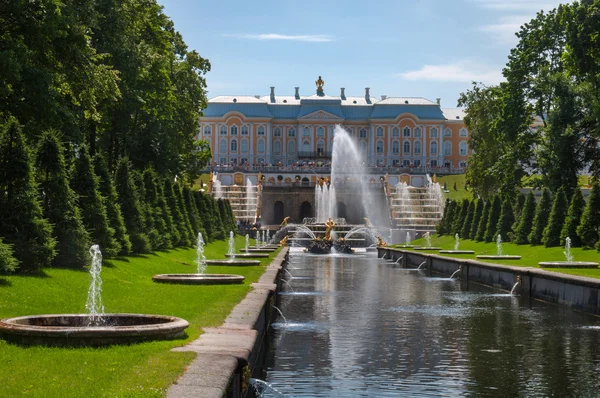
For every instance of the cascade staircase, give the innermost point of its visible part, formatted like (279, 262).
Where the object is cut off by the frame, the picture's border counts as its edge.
(415, 208)
(244, 205)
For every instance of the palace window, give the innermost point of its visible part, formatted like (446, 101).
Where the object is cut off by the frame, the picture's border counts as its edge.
(320, 132)
(395, 162)
(463, 148)
(244, 161)
(291, 147)
(223, 161)
(395, 132)
(292, 132)
(417, 147)
(462, 163)
(244, 145)
(233, 130)
(395, 147)
(447, 148)
(379, 147)
(433, 148)
(463, 132)
(261, 130)
(260, 161)
(363, 147)
(277, 132)
(417, 162)
(406, 132)
(223, 130)
(363, 133)
(244, 130)
(406, 163)
(418, 132)
(433, 133)
(406, 148)
(223, 145)
(233, 160)
(277, 146)
(379, 131)
(233, 145)
(306, 146)
(350, 130)
(207, 130)
(260, 145)
(433, 163)
(306, 132)
(447, 132)
(320, 148)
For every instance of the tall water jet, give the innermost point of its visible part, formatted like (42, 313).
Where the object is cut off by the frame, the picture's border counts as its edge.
(567, 251)
(200, 257)
(407, 240)
(428, 239)
(93, 305)
(325, 200)
(457, 241)
(264, 238)
(499, 251)
(456, 250)
(251, 201)
(217, 187)
(231, 249)
(570, 263)
(247, 242)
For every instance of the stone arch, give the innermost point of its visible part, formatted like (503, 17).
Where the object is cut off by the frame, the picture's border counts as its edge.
(278, 212)
(306, 210)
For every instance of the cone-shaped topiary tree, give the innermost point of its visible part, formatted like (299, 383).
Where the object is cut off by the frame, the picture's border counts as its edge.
(480, 235)
(476, 218)
(93, 211)
(590, 219)
(448, 220)
(178, 220)
(111, 200)
(440, 227)
(186, 217)
(231, 216)
(159, 219)
(551, 234)
(493, 217)
(22, 224)
(573, 219)
(205, 216)
(59, 203)
(192, 211)
(220, 228)
(506, 221)
(541, 218)
(465, 232)
(146, 210)
(460, 218)
(8, 262)
(174, 235)
(130, 206)
(518, 208)
(526, 220)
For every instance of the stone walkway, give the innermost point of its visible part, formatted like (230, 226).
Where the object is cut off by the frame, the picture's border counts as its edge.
(227, 353)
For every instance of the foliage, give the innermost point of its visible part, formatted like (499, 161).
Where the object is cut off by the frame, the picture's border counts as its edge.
(23, 225)
(573, 219)
(8, 262)
(526, 220)
(476, 218)
(540, 219)
(441, 226)
(184, 212)
(518, 208)
(146, 211)
(192, 209)
(506, 221)
(493, 217)
(590, 219)
(208, 221)
(465, 232)
(183, 237)
(485, 215)
(551, 236)
(161, 218)
(460, 215)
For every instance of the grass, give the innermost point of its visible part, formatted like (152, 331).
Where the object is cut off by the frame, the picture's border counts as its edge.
(460, 192)
(534, 181)
(145, 369)
(530, 255)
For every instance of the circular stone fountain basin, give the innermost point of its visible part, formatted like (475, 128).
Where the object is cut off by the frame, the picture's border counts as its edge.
(496, 257)
(237, 263)
(74, 329)
(199, 279)
(249, 255)
(426, 248)
(568, 264)
(261, 250)
(457, 251)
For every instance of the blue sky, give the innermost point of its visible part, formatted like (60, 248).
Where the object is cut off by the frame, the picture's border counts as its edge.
(422, 48)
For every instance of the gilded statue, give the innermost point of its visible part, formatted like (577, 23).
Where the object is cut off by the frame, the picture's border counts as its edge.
(320, 83)
(381, 242)
(283, 242)
(285, 222)
(329, 224)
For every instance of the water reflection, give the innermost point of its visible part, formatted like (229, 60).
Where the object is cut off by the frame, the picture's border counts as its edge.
(359, 327)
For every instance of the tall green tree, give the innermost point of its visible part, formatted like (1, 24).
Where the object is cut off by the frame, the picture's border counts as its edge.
(59, 203)
(130, 207)
(175, 209)
(146, 211)
(161, 219)
(476, 218)
(506, 221)
(93, 211)
(573, 219)
(551, 235)
(207, 218)
(8, 262)
(540, 219)
(466, 227)
(485, 215)
(526, 220)
(184, 213)
(192, 210)
(23, 225)
(589, 227)
(493, 218)
(460, 219)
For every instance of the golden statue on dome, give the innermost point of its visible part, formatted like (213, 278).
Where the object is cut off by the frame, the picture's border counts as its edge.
(320, 83)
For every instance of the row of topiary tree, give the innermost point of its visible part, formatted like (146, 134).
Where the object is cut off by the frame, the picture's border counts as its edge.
(524, 221)
(52, 211)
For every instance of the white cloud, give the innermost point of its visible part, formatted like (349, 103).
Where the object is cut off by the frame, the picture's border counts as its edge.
(276, 36)
(504, 31)
(464, 72)
(518, 5)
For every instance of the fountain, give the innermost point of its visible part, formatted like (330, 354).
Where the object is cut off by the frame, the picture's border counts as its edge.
(329, 242)
(251, 201)
(262, 387)
(200, 278)
(513, 291)
(456, 272)
(231, 261)
(456, 245)
(94, 328)
(247, 242)
(427, 246)
(569, 263)
(217, 187)
(247, 253)
(499, 252)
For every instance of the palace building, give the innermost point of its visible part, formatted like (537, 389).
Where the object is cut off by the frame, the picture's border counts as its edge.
(294, 129)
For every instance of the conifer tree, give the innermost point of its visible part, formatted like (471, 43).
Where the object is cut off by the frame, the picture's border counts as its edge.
(146, 211)
(207, 219)
(159, 219)
(476, 218)
(111, 200)
(480, 235)
(231, 216)
(551, 234)
(466, 228)
(178, 220)
(186, 216)
(59, 203)
(526, 220)
(518, 208)
(221, 233)
(506, 221)
(459, 220)
(573, 219)
(590, 219)
(493, 217)
(8, 262)
(440, 227)
(541, 218)
(173, 233)
(448, 221)
(22, 224)
(130, 207)
(93, 211)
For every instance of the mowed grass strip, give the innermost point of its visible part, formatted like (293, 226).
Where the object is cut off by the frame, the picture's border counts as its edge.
(530, 255)
(145, 369)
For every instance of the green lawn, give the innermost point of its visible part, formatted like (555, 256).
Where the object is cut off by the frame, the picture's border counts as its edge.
(145, 369)
(460, 192)
(531, 255)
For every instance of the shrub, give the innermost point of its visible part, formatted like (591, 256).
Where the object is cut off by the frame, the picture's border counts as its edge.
(205, 216)
(460, 219)
(506, 221)
(494, 216)
(541, 218)
(526, 220)
(8, 262)
(476, 218)
(154, 204)
(466, 228)
(573, 219)
(184, 213)
(551, 235)
(590, 219)
(479, 236)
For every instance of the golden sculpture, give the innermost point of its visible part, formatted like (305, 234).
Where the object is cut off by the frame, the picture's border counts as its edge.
(283, 242)
(320, 83)
(381, 242)
(329, 224)
(434, 179)
(284, 222)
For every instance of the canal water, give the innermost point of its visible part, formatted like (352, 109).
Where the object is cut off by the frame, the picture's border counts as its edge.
(361, 326)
